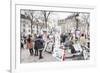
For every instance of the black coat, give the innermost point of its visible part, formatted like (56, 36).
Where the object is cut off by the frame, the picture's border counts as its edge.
(72, 49)
(39, 44)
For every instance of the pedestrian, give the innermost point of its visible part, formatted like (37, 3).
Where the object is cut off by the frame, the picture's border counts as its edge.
(45, 38)
(35, 46)
(24, 39)
(77, 34)
(22, 43)
(30, 45)
(72, 48)
(82, 40)
(39, 46)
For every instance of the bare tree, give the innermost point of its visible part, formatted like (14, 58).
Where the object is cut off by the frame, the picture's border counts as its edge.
(30, 16)
(86, 19)
(76, 15)
(77, 20)
(38, 18)
(46, 16)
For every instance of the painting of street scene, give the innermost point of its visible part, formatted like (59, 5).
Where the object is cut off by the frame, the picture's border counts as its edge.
(54, 36)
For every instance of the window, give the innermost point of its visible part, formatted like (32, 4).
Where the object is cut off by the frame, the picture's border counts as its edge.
(24, 30)
(29, 30)
(23, 25)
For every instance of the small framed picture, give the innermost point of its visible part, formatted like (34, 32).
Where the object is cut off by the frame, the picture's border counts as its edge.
(51, 36)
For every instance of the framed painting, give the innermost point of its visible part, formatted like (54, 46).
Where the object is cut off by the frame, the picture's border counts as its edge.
(51, 36)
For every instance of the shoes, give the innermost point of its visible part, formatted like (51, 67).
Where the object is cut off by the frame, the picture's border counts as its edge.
(40, 57)
(35, 55)
(31, 54)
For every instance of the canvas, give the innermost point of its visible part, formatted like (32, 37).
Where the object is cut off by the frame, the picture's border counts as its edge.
(58, 35)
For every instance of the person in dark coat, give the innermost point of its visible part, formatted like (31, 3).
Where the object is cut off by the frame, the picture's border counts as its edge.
(39, 46)
(72, 48)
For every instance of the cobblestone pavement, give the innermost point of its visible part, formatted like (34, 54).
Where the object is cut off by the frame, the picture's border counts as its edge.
(26, 58)
(47, 57)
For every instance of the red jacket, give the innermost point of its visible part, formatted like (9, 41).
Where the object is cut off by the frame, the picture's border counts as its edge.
(29, 45)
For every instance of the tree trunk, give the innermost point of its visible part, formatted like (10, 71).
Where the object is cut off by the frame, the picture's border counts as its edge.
(37, 29)
(31, 27)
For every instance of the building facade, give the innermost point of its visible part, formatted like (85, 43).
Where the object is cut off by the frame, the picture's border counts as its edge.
(68, 24)
(25, 26)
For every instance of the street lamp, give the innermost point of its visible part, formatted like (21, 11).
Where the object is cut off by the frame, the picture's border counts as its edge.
(76, 18)
(77, 25)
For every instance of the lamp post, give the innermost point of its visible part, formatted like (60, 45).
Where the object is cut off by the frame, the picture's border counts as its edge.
(76, 18)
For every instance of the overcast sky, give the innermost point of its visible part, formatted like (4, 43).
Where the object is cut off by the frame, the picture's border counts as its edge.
(59, 15)
(62, 15)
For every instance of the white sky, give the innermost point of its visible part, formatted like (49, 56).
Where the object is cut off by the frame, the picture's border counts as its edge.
(62, 15)
(58, 15)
